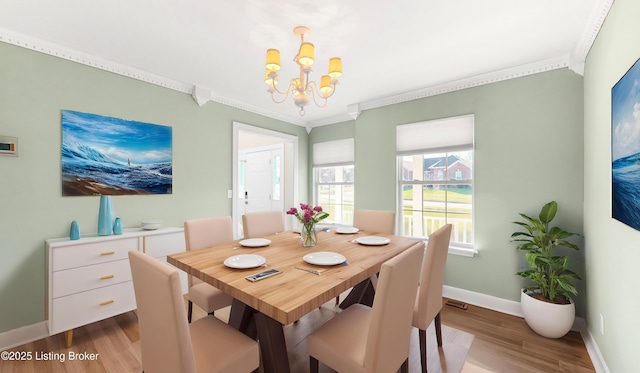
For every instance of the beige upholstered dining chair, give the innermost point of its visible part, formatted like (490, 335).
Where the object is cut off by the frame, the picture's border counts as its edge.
(262, 223)
(375, 221)
(429, 298)
(198, 234)
(167, 342)
(377, 338)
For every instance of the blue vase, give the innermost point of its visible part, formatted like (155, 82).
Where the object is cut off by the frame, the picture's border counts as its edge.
(105, 216)
(74, 231)
(117, 226)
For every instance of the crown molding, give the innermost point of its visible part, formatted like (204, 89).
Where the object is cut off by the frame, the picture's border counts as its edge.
(590, 32)
(473, 81)
(53, 49)
(201, 95)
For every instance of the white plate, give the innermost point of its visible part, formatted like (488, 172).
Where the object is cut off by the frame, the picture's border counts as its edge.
(373, 240)
(245, 261)
(347, 230)
(150, 224)
(150, 227)
(324, 258)
(255, 242)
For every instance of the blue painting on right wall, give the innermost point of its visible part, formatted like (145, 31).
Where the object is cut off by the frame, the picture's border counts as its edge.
(625, 148)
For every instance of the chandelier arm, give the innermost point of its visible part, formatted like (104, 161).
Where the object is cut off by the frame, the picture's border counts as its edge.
(274, 89)
(312, 90)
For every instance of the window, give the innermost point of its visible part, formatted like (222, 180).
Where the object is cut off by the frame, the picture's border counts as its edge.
(333, 170)
(435, 163)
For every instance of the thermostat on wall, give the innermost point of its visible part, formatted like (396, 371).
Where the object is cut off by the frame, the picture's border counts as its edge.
(9, 146)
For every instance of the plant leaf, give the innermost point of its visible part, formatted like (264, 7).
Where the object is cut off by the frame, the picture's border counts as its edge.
(548, 212)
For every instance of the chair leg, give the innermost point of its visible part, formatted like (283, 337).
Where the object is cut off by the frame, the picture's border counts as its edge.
(438, 325)
(338, 300)
(189, 311)
(404, 368)
(313, 364)
(422, 336)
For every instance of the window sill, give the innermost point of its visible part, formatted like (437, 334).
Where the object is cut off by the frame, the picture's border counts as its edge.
(463, 251)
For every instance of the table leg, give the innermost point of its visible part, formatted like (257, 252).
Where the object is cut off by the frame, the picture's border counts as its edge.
(273, 347)
(362, 293)
(241, 318)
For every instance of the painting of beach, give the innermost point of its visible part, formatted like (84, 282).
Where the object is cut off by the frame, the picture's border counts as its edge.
(625, 148)
(110, 156)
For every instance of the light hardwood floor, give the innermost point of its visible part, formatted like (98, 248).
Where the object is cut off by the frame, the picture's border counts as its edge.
(502, 343)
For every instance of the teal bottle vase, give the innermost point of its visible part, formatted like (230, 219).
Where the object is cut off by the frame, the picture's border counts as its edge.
(105, 217)
(117, 226)
(74, 231)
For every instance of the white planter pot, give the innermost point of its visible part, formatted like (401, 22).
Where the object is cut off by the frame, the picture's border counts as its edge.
(547, 319)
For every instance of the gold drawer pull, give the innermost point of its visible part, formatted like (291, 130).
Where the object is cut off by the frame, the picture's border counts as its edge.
(106, 302)
(107, 253)
(106, 277)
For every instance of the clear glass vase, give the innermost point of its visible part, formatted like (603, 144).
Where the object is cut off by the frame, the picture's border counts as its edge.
(308, 235)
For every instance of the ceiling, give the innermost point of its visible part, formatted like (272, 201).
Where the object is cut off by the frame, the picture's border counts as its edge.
(391, 51)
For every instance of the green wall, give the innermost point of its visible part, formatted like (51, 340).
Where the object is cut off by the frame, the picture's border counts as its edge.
(34, 88)
(528, 151)
(612, 248)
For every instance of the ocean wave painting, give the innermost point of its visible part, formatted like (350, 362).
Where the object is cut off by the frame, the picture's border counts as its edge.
(110, 156)
(625, 148)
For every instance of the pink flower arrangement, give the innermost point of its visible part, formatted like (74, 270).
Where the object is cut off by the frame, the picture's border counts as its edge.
(307, 215)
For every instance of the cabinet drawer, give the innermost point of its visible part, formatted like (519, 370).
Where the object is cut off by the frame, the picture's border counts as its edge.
(92, 253)
(90, 306)
(160, 245)
(85, 278)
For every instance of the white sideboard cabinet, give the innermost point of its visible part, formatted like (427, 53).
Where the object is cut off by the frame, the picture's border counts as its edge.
(90, 279)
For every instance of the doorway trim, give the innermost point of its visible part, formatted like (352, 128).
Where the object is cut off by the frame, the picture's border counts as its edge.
(291, 194)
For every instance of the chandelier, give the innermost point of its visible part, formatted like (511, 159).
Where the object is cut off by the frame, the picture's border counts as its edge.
(302, 89)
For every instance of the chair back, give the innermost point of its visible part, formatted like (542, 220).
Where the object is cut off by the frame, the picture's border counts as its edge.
(389, 335)
(206, 232)
(165, 341)
(201, 233)
(375, 221)
(262, 223)
(429, 301)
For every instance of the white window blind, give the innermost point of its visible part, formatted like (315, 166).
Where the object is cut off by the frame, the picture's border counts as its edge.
(448, 133)
(333, 153)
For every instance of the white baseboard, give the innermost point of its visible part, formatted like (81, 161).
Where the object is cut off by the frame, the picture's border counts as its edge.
(511, 307)
(594, 352)
(25, 334)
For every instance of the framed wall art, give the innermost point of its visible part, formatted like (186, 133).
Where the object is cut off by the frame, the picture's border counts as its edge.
(110, 156)
(625, 148)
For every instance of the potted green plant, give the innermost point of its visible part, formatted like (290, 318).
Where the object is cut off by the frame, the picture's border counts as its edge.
(547, 306)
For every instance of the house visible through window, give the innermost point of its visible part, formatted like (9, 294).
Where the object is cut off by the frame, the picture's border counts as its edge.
(333, 167)
(435, 162)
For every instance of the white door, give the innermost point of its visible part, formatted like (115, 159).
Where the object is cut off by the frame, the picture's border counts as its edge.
(258, 180)
(262, 175)
(264, 167)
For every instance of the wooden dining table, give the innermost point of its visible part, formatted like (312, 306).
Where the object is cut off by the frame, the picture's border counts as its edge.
(260, 309)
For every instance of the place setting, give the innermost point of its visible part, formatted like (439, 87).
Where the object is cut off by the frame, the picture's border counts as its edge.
(255, 242)
(347, 230)
(372, 240)
(244, 261)
(322, 258)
